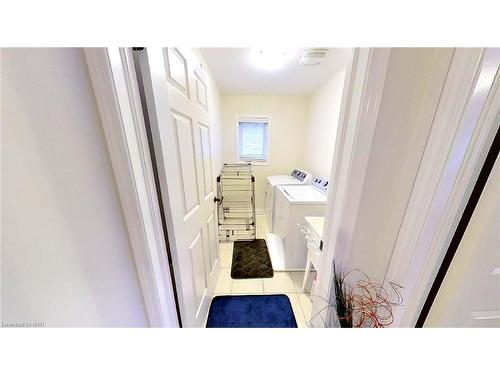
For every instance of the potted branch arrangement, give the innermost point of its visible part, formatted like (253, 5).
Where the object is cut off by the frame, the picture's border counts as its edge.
(361, 302)
(343, 303)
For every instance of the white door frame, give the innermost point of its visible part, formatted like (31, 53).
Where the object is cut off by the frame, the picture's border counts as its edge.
(453, 156)
(444, 180)
(363, 87)
(463, 129)
(115, 86)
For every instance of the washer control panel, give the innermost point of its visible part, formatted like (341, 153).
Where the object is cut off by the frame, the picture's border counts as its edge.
(321, 185)
(301, 175)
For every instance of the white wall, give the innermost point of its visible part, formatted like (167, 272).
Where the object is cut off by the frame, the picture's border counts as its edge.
(66, 257)
(324, 111)
(470, 288)
(287, 131)
(302, 130)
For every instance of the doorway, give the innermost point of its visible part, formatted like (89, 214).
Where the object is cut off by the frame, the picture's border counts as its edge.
(196, 124)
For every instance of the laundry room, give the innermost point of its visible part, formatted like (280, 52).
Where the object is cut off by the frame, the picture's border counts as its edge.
(279, 112)
(246, 187)
(272, 166)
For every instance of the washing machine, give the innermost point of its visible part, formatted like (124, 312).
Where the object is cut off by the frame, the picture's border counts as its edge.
(296, 177)
(287, 245)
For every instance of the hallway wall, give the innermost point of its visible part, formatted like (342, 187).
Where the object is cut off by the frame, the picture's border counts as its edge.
(287, 132)
(66, 256)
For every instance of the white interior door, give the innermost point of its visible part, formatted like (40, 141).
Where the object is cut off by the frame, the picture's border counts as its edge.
(176, 90)
(470, 293)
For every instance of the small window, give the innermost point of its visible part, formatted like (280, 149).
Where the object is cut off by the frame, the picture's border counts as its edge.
(253, 139)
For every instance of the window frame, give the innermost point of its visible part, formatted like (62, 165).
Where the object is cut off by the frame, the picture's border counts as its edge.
(256, 118)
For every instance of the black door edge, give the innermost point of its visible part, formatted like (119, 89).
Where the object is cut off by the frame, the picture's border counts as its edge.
(461, 227)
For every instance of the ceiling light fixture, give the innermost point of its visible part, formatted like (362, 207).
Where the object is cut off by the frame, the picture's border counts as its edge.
(270, 58)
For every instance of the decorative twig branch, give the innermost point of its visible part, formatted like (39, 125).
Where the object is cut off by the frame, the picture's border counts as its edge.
(363, 302)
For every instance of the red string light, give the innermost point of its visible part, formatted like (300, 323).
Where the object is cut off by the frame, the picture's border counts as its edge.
(371, 305)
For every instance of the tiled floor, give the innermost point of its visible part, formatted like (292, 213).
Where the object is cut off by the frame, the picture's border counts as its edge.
(288, 283)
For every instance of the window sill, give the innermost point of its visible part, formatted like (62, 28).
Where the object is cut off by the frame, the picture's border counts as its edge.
(256, 163)
(262, 163)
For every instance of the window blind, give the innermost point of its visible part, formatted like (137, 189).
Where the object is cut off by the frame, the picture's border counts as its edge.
(253, 139)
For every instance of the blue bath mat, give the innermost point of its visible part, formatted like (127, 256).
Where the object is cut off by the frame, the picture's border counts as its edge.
(274, 311)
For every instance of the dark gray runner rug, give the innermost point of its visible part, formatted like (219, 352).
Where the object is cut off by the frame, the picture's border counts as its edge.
(251, 260)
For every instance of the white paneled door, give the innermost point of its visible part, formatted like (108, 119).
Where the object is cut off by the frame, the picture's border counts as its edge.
(175, 88)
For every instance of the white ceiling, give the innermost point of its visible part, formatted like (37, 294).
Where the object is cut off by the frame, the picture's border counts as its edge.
(236, 74)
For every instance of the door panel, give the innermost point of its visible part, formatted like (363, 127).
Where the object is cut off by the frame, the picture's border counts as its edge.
(206, 253)
(176, 92)
(177, 69)
(186, 156)
(198, 265)
(201, 92)
(212, 242)
(207, 159)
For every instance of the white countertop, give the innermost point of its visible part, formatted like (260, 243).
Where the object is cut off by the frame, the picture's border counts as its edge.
(316, 223)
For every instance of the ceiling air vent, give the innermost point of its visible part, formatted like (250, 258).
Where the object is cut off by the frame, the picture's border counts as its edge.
(313, 56)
